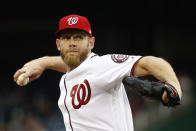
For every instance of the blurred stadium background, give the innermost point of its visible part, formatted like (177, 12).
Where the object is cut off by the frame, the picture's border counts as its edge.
(165, 28)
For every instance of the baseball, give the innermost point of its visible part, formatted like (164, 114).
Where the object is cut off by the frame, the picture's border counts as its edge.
(22, 81)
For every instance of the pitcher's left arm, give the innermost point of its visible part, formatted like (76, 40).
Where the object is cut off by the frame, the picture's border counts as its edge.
(160, 69)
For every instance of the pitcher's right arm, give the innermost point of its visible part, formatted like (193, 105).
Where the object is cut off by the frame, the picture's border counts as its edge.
(34, 69)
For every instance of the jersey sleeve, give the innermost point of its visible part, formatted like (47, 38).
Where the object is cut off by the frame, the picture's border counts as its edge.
(116, 66)
(123, 64)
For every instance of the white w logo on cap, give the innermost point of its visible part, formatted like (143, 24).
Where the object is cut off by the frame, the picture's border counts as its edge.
(72, 20)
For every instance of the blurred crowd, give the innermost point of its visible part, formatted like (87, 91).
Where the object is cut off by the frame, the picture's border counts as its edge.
(23, 110)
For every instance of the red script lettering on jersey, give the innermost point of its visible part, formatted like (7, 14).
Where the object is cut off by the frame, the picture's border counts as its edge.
(82, 97)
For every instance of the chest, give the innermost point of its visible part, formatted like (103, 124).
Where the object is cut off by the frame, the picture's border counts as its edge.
(84, 93)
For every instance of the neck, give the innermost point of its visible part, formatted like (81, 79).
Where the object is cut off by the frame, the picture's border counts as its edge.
(69, 68)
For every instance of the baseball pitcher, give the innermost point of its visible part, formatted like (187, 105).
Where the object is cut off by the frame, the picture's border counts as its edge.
(93, 97)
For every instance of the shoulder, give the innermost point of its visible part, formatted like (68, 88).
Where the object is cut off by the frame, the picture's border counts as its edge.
(118, 58)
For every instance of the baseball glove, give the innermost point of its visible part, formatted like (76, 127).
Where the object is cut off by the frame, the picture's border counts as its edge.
(153, 90)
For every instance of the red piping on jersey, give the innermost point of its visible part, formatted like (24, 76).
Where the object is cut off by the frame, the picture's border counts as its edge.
(93, 56)
(132, 68)
(66, 106)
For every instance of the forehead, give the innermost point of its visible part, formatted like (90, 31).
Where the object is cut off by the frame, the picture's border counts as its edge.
(72, 32)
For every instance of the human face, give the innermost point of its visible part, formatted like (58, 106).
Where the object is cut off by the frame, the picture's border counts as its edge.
(74, 48)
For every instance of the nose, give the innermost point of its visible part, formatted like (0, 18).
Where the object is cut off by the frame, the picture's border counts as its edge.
(72, 44)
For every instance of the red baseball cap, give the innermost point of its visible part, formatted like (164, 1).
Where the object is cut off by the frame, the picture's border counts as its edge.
(74, 21)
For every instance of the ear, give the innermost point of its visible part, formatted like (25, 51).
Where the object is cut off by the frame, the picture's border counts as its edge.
(58, 44)
(92, 42)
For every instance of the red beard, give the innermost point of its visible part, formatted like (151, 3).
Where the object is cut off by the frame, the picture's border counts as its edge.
(74, 59)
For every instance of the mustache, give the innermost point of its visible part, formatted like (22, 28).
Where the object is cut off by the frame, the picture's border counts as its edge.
(64, 53)
(72, 50)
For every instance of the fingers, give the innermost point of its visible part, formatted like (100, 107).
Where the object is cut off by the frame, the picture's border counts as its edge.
(18, 73)
(22, 80)
(21, 77)
(31, 71)
(33, 77)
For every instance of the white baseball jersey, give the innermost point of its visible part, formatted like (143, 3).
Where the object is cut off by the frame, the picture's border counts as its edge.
(93, 97)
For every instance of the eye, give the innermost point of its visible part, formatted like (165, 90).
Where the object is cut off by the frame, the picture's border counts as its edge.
(78, 37)
(66, 37)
